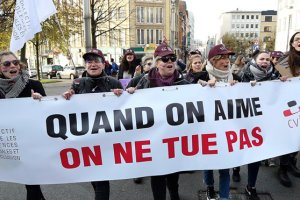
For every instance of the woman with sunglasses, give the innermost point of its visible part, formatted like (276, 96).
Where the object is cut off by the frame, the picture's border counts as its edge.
(163, 74)
(15, 83)
(218, 70)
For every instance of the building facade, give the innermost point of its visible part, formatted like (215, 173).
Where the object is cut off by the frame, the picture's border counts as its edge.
(287, 24)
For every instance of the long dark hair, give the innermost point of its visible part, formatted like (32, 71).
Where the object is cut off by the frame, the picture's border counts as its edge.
(294, 56)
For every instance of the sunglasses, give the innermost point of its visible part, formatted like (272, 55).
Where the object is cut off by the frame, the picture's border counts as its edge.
(166, 59)
(8, 63)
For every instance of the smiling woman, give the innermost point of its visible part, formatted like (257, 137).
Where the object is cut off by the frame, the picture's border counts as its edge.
(15, 83)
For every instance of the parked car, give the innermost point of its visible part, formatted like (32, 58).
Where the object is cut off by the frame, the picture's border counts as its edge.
(70, 72)
(32, 73)
(50, 71)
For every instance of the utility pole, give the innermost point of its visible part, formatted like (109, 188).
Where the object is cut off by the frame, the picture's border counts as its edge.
(87, 24)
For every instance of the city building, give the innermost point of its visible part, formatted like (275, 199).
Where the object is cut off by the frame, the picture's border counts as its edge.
(288, 22)
(268, 29)
(241, 24)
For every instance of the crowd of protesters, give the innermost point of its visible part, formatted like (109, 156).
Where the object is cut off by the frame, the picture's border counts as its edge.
(162, 69)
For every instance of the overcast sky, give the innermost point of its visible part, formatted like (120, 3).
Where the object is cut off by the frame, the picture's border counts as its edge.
(207, 12)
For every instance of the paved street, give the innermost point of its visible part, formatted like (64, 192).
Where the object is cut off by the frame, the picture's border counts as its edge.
(268, 186)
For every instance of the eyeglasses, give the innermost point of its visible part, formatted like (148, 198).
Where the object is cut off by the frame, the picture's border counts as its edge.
(166, 59)
(93, 61)
(8, 63)
(296, 39)
(149, 64)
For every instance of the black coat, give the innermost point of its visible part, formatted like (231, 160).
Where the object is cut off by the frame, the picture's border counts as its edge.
(34, 85)
(95, 85)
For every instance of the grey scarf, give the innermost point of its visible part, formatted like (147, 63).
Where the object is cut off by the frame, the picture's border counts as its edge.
(260, 73)
(11, 88)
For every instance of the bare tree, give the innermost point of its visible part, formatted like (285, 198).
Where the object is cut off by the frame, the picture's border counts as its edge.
(107, 16)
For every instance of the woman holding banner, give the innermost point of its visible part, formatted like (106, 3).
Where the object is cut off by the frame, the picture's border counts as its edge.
(15, 83)
(96, 81)
(164, 74)
(257, 70)
(218, 69)
(289, 65)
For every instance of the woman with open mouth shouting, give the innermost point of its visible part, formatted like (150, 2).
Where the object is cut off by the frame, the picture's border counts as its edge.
(15, 83)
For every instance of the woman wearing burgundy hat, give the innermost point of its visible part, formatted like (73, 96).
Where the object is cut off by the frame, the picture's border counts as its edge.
(163, 74)
(218, 69)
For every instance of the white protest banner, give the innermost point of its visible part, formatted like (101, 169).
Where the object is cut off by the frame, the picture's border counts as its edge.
(153, 131)
(28, 16)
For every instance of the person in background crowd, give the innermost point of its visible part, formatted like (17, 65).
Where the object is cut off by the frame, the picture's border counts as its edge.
(15, 83)
(289, 65)
(129, 65)
(147, 63)
(107, 68)
(96, 81)
(238, 65)
(163, 74)
(194, 70)
(180, 63)
(275, 56)
(114, 68)
(218, 69)
(257, 70)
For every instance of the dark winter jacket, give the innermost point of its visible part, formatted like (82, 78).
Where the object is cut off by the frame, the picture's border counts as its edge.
(145, 82)
(34, 85)
(128, 67)
(248, 76)
(194, 77)
(103, 83)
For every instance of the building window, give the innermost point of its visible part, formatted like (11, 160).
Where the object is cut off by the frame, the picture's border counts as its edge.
(247, 16)
(252, 16)
(257, 17)
(159, 15)
(256, 25)
(237, 26)
(233, 16)
(232, 25)
(251, 26)
(122, 13)
(251, 34)
(247, 34)
(243, 16)
(247, 25)
(140, 36)
(140, 14)
(238, 16)
(267, 29)
(158, 36)
(242, 34)
(268, 18)
(242, 25)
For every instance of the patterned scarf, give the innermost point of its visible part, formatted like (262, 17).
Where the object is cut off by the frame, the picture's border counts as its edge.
(11, 88)
(219, 75)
